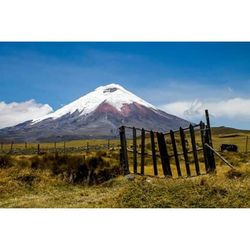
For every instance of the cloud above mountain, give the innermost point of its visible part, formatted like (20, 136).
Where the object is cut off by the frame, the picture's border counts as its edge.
(14, 113)
(234, 108)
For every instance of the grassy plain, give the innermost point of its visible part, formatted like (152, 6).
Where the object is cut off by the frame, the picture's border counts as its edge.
(25, 184)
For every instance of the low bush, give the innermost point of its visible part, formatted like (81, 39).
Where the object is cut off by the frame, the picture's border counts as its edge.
(77, 169)
(6, 161)
(233, 174)
(101, 154)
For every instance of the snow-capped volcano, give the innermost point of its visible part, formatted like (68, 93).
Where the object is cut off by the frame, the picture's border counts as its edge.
(112, 94)
(98, 114)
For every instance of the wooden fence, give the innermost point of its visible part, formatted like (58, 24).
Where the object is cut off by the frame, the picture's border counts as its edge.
(164, 150)
(62, 147)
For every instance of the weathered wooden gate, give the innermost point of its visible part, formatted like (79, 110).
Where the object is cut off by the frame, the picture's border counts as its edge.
(188, 149)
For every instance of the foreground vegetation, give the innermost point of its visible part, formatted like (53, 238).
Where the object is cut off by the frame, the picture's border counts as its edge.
(71, 181)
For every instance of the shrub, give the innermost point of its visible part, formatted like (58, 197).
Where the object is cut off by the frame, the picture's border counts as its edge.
(36, 162)
(101, 170)
(72, 168)
(27, 179)
(6, 161)
(23, 162)
(77, 169)
(101, 154)
(233, 174)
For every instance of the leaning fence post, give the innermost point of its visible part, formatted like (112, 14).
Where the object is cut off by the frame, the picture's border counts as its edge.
(124, 152)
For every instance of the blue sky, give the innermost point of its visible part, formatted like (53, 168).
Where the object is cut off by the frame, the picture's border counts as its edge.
(181, 78)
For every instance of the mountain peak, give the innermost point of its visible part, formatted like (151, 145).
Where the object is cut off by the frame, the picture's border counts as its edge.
(111, 87)
(112, 94)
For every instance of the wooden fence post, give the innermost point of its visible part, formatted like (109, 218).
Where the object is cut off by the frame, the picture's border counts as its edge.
(164, 155)
(185, 152)
(203, 141)
(11, 146)
(134, 151)
(87, 148)
(153, 152)
(64, 147)
(211, 158)
(38, 149)
(177, 162)
(25, 145)
(247, 144)
(1, 146)
(209, 128)
(142, 151)
(196, 160)
(124, 152)
(108, 144)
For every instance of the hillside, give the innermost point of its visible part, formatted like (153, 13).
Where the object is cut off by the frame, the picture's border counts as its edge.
(227, 131)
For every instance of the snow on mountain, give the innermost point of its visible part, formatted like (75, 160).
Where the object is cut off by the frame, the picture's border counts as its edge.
(112, 94)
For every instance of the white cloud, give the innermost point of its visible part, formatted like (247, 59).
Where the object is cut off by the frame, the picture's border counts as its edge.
(235, 108)
(14, 113)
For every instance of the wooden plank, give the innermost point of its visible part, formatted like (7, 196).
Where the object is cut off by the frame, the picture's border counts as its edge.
(220, 156)
(164, 155)
(195, 154)
(177, 162)
(154, 159)
(185, 152)
(134, 151)
(38, 149)
(124, 152)
(142, 151)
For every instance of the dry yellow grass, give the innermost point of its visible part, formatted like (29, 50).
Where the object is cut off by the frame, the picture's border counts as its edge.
(22, 186)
